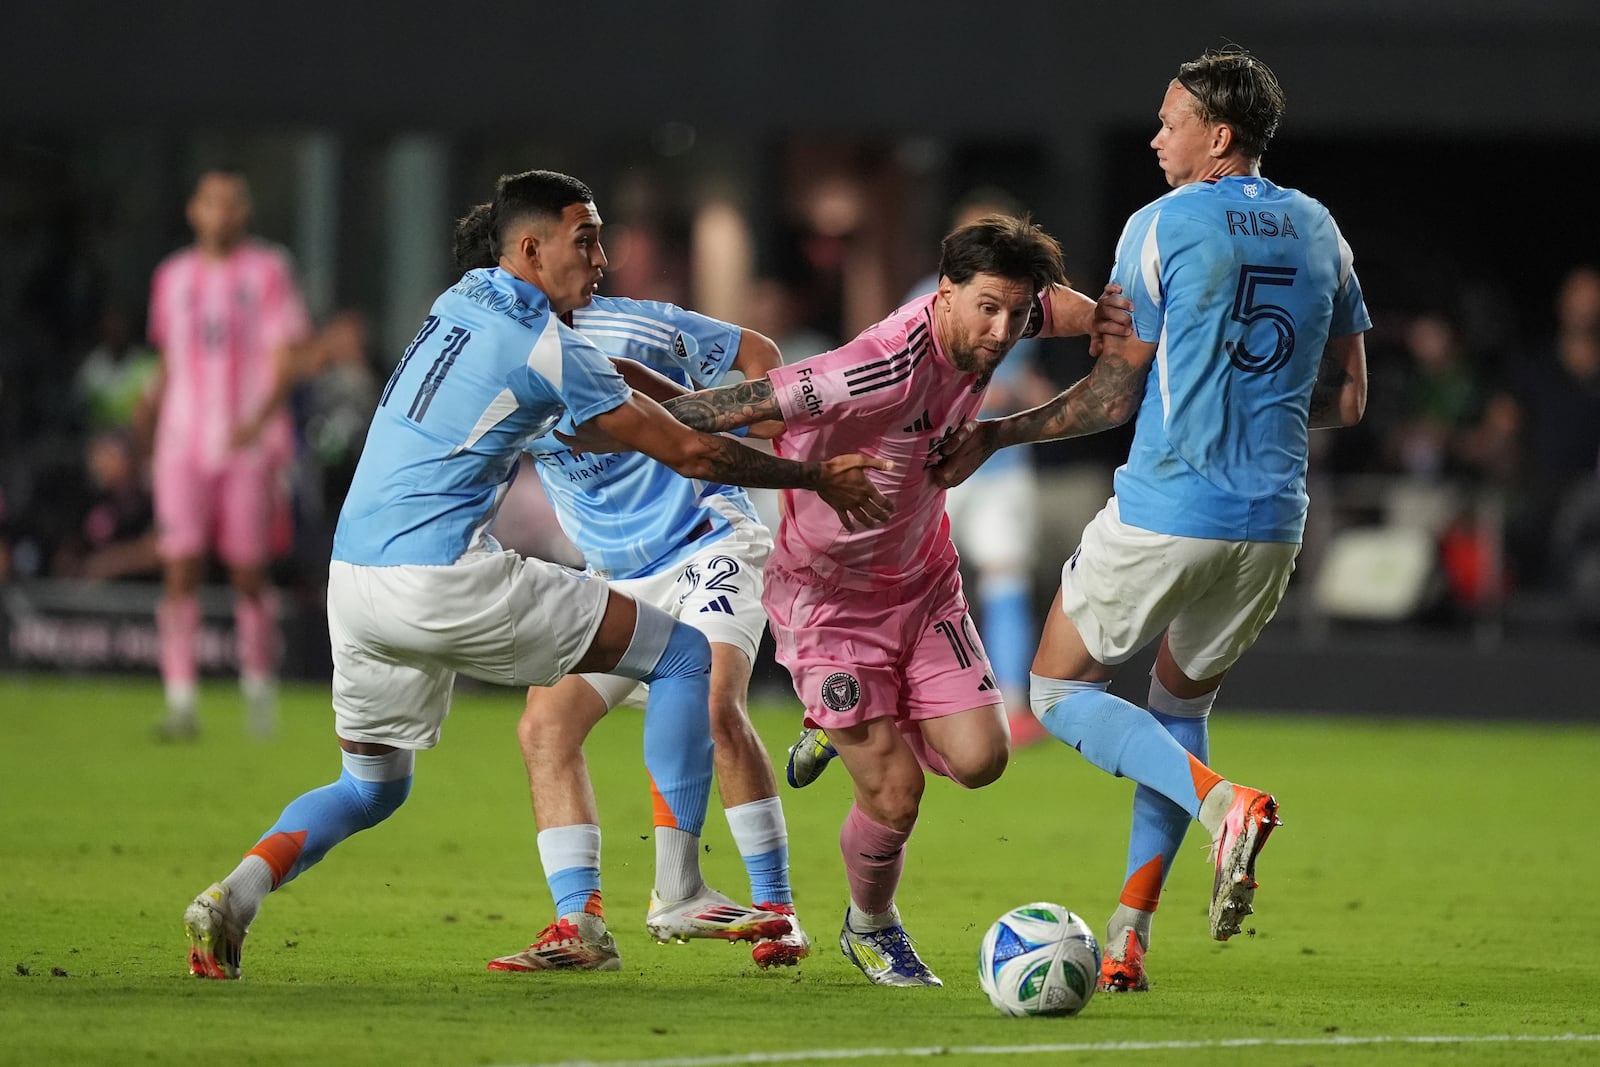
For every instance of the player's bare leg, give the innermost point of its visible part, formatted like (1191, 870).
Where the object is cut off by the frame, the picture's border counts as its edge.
(555, 722)
(974, 745)
(178, 628)
(256, 628)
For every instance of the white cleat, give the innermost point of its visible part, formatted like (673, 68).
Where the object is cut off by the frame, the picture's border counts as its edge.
(216, 938)
(577, 942)
(710, 914)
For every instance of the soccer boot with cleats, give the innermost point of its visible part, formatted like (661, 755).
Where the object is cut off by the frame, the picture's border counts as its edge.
(887, 956)
(216, 937)
(809, 757)
(785, 951)
(576, 942)
(1122, 967)
(1234, 848)
(710, 914)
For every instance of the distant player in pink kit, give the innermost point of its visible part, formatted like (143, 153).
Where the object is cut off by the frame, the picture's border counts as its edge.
(230, 324)
(873, 624)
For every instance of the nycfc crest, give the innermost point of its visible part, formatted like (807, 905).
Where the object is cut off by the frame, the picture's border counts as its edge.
(841, 691)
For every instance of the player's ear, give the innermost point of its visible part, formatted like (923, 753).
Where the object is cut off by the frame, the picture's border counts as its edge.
(1222, 139)
(528, 246)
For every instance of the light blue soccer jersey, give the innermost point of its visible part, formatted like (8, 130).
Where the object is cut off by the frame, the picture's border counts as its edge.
(1239, 283)
(628, 514)
(490, 370)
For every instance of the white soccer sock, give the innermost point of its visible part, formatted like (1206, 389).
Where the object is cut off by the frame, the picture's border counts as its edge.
(561, 847)
(248, 886)
(677, 864)
(1214, 808)
(182, 700)
(864, 922)
(758, 826)
(1125, 917)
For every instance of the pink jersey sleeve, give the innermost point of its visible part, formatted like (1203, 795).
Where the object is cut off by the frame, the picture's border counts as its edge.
(856, 379)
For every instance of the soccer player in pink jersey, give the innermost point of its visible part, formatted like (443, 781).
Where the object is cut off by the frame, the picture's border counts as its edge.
(231, 326)
(873, 624)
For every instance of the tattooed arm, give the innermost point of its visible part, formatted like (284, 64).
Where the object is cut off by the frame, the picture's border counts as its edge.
(726, 407)
(1108, 397)
(1340, 396)
(642, 424)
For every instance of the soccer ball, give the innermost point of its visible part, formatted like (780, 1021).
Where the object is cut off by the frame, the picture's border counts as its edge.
(1039, 959)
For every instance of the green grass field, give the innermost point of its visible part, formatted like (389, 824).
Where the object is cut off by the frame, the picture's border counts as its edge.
(1432, 880)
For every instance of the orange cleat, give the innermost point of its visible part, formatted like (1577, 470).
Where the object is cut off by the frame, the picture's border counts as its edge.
(1122, 967)
(1250, 820)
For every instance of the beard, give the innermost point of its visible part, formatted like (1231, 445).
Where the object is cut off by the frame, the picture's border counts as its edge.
(970, 361)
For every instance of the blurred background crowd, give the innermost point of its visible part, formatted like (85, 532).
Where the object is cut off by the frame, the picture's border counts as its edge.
(1469, 497)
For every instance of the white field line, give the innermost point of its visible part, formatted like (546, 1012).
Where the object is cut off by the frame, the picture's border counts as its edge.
(801, 1055)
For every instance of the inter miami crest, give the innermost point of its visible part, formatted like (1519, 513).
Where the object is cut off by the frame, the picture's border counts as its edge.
(841, 691)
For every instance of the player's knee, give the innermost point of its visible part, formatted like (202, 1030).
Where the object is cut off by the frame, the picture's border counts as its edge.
(974, 770)
(730, 726)
(376, 801)
(665, 648)
(687, 653)
(377, 784)
(893, 803)
(541, 723)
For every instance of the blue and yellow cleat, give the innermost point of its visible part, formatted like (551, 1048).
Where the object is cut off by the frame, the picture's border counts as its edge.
(887, 956)
(809, 757)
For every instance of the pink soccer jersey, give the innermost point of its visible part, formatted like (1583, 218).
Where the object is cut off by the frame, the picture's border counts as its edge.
(217, 324)
(891, 392)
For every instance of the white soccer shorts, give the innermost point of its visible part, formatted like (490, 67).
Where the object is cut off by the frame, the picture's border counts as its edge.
(1125, 585)
(717, 591)
(401, 634)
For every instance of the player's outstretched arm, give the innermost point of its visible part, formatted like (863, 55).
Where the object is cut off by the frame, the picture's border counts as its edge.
(647, 380)
(640, 423)
(588, 437)
(1072, 314)
(1340, 396)
(1108, 396)
(757, 355)
(727, 407)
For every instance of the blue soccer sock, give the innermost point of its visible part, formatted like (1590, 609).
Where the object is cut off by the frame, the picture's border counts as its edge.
(1159, 826)
(676, 660)
(1125, 740)
(570, 856)
(1008, 634)
(762, 838)
(369, 789)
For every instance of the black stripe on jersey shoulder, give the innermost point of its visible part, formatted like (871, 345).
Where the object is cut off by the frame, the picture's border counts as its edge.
(878, 365)
(895, 368)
